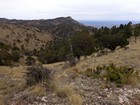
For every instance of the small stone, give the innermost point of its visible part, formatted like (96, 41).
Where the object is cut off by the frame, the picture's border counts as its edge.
(44, 99)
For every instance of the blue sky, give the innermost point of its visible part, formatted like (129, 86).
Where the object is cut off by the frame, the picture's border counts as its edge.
(77, 9)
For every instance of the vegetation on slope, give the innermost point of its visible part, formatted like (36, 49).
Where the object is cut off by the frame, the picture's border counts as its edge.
(119, 75)
(83, 43)
(73, 38)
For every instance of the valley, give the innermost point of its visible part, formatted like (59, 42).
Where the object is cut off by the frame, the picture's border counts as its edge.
(63, 62)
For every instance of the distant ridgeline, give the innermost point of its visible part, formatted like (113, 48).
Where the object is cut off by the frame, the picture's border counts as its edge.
(58, 39)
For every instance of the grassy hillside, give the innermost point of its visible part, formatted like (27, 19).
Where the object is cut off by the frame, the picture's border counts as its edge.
(70, 86)
(23, 36)
(35, 34)
(93, 66)
(130, 56)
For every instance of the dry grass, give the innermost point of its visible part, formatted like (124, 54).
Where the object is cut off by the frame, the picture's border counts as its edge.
(75, 99)
(62, 90)
(12, 79)
(37, 90)
(14, 72)
(31, 94)
(134, 79)
(69, 92)
(121, 57)
(28, 36)
(11, 82)
(1, 101)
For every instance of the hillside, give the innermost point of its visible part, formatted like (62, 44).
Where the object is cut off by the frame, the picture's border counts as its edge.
(92, 66)
(130, 56)
(33, 34)
(23, 36)
(69, 86)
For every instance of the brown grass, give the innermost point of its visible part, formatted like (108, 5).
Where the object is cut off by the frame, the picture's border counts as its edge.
(12, 79)
(28, 36)
(62, 90)
(121, 57)
(11, 82)
(37, 90)
(69, 92)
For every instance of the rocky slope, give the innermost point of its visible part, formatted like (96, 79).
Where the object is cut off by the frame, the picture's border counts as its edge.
(71, 87)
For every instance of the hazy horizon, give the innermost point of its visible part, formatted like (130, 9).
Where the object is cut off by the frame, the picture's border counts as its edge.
(79, 10)
(95, 23)
(108, 24)
(64, 17)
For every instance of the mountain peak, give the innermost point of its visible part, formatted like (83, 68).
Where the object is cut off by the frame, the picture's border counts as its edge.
(60, 26)
(69, 17)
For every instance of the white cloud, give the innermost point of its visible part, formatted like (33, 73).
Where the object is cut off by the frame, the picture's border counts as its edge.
(80, 9)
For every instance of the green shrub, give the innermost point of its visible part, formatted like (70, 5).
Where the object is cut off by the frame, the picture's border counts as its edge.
(15, 48)
(30, 60)
(89, 72)
(54, 51)
(82, 43)
(5, 58)
(1, 45)
(15, 55)
(112, 41)
(4, 46)
(136, 32)
(119, 75)
(37, 74)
